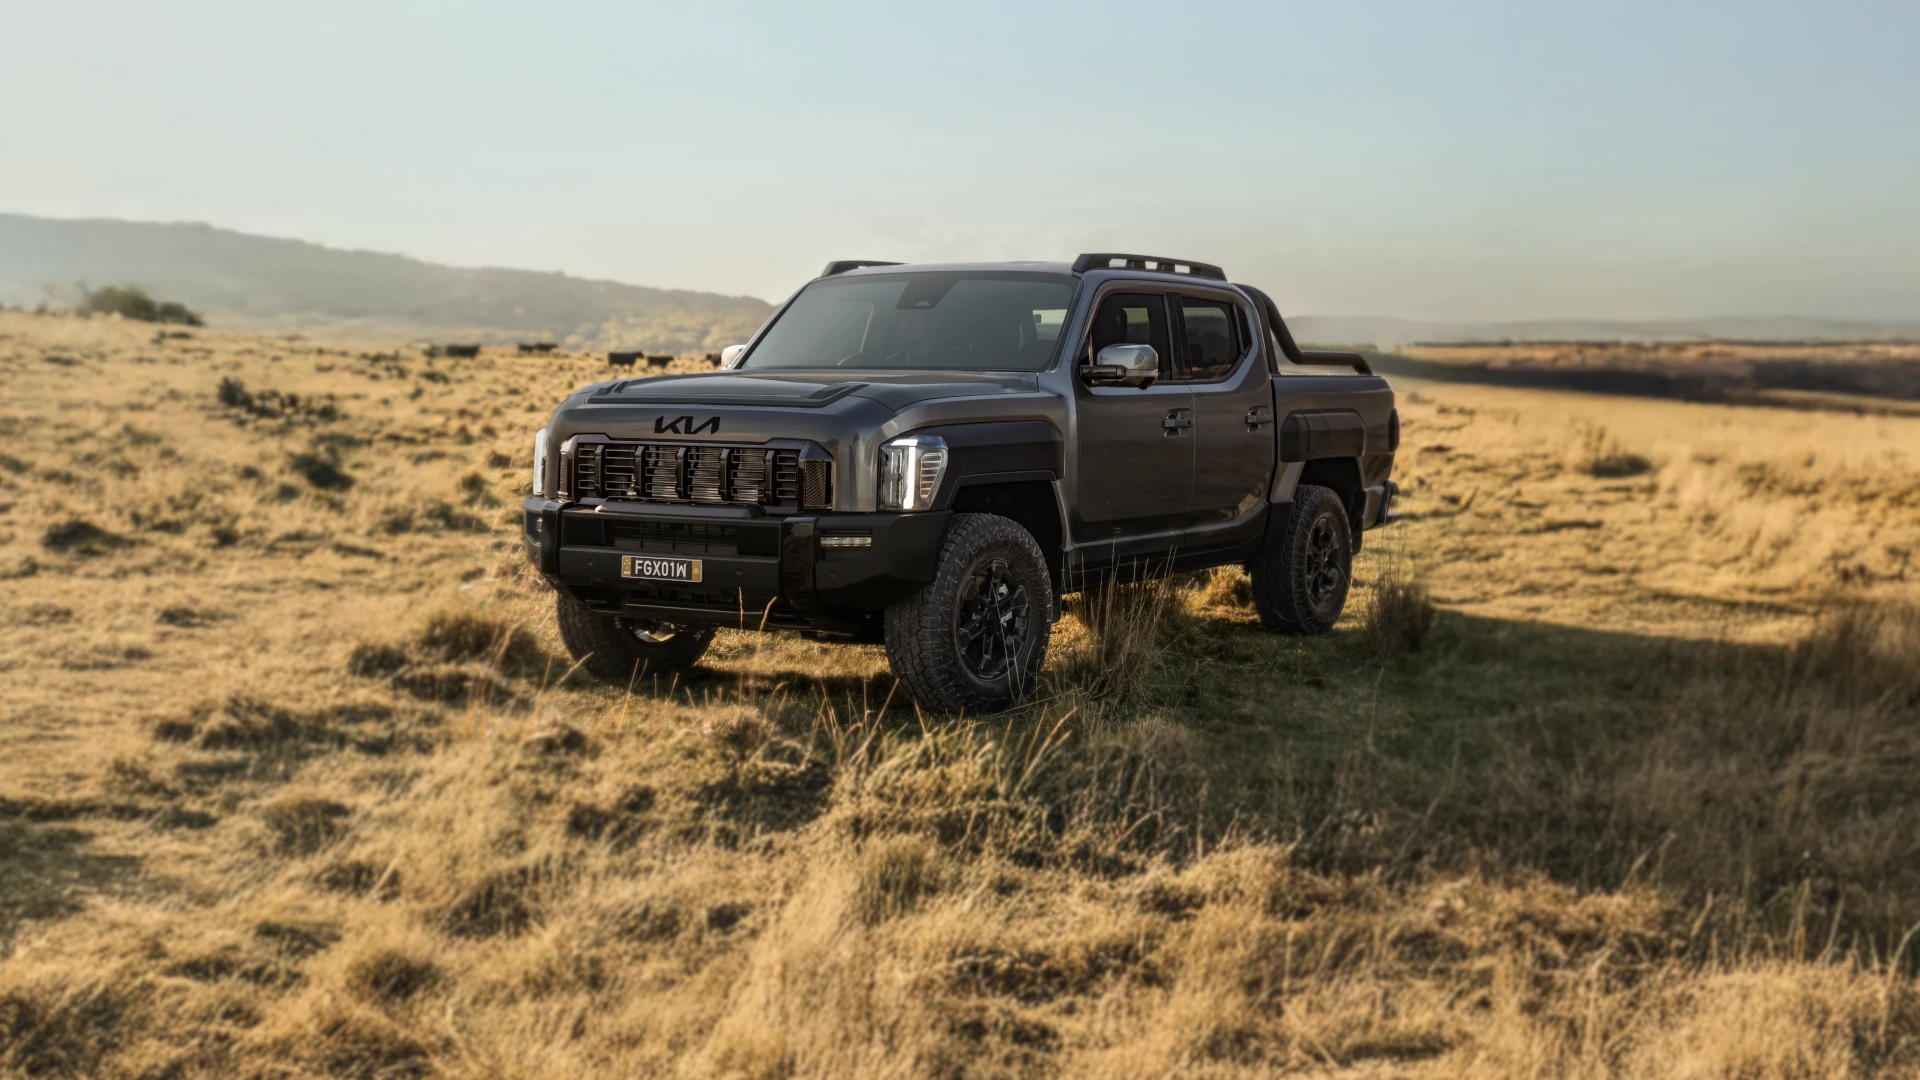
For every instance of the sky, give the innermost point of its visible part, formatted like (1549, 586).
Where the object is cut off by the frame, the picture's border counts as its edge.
(1467, 160)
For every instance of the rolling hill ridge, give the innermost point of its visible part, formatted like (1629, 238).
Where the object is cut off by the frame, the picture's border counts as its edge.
(264, 283)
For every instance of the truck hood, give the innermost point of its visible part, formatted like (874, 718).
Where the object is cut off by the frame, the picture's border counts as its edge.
(809, 389)
(848, 414)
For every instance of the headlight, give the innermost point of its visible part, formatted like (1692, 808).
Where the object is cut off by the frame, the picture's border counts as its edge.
(910, 471)
(540, 463)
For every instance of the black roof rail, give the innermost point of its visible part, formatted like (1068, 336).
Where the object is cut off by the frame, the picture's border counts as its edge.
(1100, 260)
(844, 265)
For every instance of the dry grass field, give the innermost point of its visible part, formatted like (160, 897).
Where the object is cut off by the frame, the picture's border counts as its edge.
(295, 781)
(1863, 377)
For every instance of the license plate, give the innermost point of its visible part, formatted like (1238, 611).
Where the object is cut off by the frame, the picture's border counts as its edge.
(646, 566)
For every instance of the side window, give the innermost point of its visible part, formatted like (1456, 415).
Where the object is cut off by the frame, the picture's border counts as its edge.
(1134, 319)
(1213, 339)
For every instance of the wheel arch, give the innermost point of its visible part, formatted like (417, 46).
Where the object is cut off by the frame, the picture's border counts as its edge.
(1342, 475)
(1028, 502)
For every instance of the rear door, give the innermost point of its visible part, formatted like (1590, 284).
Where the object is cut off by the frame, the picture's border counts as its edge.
(1232, 408)
(1133, 450)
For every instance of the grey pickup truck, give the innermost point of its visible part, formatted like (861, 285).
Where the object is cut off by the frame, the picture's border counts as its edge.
(932, 456)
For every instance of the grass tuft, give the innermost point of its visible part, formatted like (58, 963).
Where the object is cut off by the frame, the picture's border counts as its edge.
(304, 825)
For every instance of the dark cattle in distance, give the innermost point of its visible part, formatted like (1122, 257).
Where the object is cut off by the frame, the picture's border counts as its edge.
(622, 359)
(659, 361)
(536, 346)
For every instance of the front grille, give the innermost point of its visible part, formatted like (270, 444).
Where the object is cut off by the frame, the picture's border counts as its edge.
(701, 475)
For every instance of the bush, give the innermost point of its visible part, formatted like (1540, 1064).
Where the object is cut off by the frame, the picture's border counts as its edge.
(321, 471)
(1401, 617)
(1603, 458)
(129, 302)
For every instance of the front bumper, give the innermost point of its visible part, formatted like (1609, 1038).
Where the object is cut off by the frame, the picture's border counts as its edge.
(758, 569)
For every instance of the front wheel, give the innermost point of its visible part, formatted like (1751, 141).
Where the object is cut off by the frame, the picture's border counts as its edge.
(1300, 583)
(620, 650)
(974, 639)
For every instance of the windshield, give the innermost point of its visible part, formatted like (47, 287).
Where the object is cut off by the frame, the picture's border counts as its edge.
(936, 320)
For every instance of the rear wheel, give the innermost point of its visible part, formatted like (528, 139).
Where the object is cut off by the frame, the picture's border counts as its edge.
(619, 650)
(974, 639)
(1300, 584)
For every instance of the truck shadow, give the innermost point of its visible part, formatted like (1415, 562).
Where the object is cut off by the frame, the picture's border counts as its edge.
(1589, 757)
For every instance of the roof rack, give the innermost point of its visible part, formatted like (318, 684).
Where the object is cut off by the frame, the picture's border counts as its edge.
(845, 265)
(1102, 260)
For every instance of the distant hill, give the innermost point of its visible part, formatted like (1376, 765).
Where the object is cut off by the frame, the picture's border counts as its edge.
(261, 283)
(1385, 332)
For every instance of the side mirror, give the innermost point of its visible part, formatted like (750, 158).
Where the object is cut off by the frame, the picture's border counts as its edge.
(1123, 365)
(730, 356)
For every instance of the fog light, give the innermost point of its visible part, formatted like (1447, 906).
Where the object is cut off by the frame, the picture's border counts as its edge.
(845, 540)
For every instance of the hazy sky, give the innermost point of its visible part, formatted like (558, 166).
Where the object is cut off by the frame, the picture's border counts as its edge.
(1459, 160)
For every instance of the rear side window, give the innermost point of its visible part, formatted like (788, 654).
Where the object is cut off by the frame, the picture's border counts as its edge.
(1212, 338)
(1134, 319)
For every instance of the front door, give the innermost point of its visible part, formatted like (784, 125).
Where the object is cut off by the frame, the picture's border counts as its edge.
(1133, 455)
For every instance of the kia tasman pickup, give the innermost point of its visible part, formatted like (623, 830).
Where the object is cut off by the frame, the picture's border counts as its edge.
(931, 457)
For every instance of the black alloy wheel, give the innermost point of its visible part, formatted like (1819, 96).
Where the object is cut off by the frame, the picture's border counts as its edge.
(974, 638)
(995, 618)
(1326, 573)
(1300, 582)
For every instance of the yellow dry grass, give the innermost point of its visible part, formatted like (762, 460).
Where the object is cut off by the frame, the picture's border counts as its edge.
(1729, 356)
(294, 780)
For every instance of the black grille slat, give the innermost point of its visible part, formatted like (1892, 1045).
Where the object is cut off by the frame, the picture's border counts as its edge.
(701, 474)
(587, 474)
(707, 474)
(619, 473)
(786, 477)
(747, 479)
(663, 473)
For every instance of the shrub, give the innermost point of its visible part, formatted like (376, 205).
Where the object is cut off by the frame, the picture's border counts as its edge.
(320, 471)
(274, 405)
(1401, 617)
(80, 537)
(1605, 459)
(233, 393)
(129, 302)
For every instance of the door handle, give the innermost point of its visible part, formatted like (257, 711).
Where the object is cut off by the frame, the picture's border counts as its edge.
(1259, 416)
(1177, 420)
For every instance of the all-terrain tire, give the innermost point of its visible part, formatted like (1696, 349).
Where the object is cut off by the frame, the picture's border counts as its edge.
(623, 651)
(1300, 583)
(974, 638)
